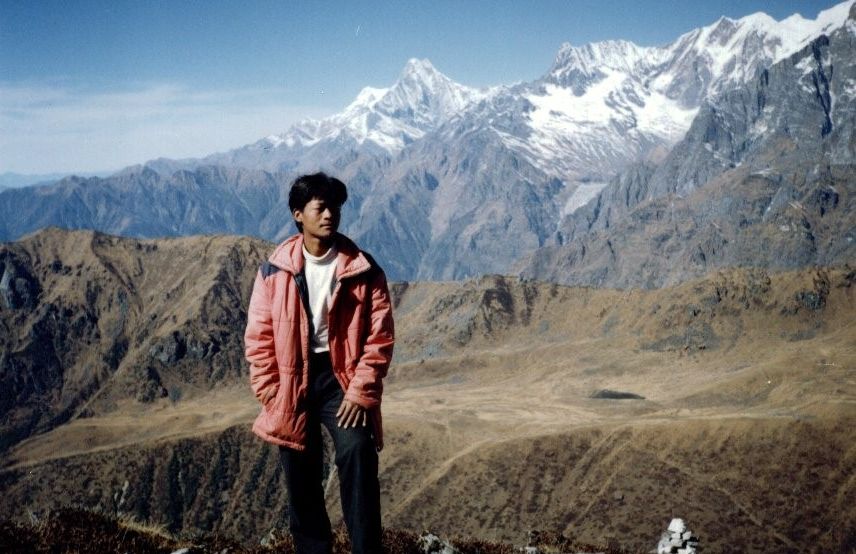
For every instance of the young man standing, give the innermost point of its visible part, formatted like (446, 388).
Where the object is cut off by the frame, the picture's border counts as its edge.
(319, 341)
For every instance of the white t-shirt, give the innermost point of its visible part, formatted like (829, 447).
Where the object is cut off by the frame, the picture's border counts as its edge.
(319, 282)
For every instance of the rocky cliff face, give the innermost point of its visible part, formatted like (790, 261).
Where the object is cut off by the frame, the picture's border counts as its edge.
(444, 200)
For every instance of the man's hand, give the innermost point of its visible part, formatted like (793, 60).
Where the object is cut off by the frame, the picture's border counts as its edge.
(350, 415)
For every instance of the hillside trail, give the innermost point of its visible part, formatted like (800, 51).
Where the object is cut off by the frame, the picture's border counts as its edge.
(131, 425)
(438, 473)
(708, 481)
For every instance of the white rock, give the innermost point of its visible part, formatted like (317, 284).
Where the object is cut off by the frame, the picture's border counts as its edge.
(664, 546)
(677, 525)
(433, 544)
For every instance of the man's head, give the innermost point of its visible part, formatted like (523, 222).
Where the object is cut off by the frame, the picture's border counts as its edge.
(315, 202)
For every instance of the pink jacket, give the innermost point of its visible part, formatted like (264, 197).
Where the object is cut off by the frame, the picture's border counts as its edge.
(360, 331)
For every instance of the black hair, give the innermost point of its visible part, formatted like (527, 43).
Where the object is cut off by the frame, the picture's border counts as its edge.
(317, 185)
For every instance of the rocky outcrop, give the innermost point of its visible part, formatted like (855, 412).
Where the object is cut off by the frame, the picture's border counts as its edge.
(18, 289)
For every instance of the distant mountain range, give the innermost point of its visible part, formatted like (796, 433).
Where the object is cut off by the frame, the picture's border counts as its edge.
(447, 181)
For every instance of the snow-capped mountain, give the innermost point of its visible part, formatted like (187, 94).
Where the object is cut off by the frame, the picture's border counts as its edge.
(604, 105)
(389, 118)
(764, 177)
(599, 108)
(392, 117)
(712, 59)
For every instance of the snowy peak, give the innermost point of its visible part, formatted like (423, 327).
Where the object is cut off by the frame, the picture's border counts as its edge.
(416, 70)
(420, 100)
(606, 104)
(796, 32)
(731, 51)
(781, 38)
(425, 96)
(702, 62)
(418, 78)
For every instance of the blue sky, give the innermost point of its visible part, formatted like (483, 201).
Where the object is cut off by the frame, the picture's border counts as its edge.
(93, 86)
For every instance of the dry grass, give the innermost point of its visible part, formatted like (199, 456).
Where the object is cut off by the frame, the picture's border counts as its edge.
(745, 430)
(127, 521)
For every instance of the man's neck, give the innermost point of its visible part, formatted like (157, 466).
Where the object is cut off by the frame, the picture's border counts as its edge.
(316, 246)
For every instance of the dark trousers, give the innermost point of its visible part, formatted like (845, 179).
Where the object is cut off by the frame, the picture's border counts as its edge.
(357, 464)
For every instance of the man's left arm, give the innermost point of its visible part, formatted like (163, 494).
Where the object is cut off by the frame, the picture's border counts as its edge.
(366, 386)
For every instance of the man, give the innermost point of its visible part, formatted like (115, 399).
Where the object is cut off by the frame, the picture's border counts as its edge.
(319, 341)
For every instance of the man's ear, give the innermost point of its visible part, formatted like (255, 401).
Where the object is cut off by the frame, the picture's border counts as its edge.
(297, 215)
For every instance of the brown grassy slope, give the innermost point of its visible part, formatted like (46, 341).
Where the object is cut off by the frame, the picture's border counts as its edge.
(745, 429)
(762, 483)
(748, 381)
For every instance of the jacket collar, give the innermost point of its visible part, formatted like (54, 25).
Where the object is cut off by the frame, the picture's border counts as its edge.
(349, 261)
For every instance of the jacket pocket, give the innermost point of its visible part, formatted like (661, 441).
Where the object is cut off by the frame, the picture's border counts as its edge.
(353, 350)
(272, 399)
(276, 402)
(286, 395)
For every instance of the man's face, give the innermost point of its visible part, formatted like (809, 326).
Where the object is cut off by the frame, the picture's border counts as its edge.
(319, 219)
